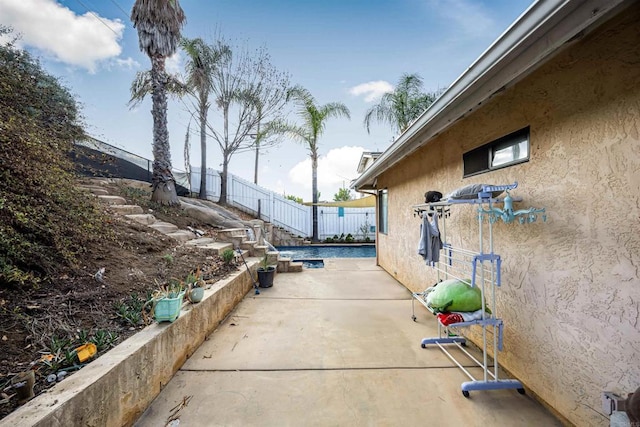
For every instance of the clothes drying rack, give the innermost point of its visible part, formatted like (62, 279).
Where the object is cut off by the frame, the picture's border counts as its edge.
(480, 268)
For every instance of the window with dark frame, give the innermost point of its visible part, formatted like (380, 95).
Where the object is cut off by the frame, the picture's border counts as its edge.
(507, 151)
(383, 209)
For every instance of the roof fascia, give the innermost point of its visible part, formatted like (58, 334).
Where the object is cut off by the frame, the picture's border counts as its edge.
(541, 31)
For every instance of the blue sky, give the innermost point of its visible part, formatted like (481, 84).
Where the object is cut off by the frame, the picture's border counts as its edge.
(346, 51)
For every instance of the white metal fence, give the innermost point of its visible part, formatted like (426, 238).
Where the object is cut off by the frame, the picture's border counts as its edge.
(292, 216)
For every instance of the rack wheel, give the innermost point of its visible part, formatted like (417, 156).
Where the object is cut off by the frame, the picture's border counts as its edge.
(521, 391)
(465, 393)
(414, 318)
(423, 345)
(463, 343)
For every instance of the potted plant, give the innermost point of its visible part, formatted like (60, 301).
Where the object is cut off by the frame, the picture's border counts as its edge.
(266, 272)
(195, 286)
(167, 301)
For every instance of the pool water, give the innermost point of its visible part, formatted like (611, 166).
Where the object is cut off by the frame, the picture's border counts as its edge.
(299, 253)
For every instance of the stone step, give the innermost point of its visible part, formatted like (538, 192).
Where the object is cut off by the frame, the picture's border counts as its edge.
(200, 241)
(164, 227)
(260, 250)
(93, 189)
(146, 219)
(286, 265)
(95, 181)
(112, 200)
(283, 265)
(182, 235)
(295, 267)
(126, 209)
(233, 232)
(248, 244)
(216, 247)
(272, 257)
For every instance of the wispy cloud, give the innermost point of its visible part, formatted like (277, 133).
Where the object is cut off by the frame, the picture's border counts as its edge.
(128, 63)
(335, 170)
(78, 40)
(372, 91)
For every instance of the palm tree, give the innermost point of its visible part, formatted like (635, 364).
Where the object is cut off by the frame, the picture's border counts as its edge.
(201, 64)
(159, 23)
(314, 117)
(402, 106)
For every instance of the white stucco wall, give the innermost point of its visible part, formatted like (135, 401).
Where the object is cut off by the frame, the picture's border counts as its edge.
(570, 298)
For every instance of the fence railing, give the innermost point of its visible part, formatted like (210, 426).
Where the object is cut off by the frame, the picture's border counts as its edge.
(291, 216)
(242, 194)
(129, 165)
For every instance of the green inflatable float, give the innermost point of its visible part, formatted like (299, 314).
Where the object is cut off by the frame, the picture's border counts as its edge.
(455, 295)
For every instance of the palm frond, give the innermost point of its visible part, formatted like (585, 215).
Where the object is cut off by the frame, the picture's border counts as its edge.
(158, 23)
(140, 87)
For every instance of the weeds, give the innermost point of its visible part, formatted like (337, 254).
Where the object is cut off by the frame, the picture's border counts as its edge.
(134, 310)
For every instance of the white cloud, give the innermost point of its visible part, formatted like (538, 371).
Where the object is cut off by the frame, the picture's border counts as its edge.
(172, 63)
(79, 40)
(128, 63)
(372, 90)
(335, 170)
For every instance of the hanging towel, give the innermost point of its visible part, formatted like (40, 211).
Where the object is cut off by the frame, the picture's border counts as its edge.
(430, 243)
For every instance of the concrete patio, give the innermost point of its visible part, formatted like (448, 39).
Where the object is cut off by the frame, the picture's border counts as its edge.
(331, 346)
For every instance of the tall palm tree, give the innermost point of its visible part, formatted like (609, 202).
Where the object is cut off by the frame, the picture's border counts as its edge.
(201, 64)
(159, 23)
(402, 106)
(314, 117)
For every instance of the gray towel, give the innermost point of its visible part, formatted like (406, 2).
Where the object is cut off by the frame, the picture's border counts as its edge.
(430, 243)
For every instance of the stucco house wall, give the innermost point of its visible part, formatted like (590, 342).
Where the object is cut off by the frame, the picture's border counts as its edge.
(570, 295)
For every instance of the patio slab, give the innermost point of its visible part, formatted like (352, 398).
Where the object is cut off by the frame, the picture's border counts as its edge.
(360, 397)
(331, 346)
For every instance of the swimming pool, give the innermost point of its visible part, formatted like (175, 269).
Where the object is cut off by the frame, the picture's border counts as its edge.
(298, 253)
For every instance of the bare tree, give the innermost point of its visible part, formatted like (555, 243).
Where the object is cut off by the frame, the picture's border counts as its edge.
(249, 91)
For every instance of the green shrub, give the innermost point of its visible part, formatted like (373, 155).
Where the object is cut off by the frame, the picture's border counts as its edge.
(228, 256)
(45, 222)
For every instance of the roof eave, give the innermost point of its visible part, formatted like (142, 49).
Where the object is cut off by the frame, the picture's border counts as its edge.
(542, 30)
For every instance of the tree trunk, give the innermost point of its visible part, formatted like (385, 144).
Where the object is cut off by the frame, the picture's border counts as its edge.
(223, 179)
(203, 149)
(314, 198)
(255, 171)
(225, 158)
(163, 182)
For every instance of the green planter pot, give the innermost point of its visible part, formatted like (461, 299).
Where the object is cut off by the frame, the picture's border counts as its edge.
(196, 294)
(265, 276)
(168, 309)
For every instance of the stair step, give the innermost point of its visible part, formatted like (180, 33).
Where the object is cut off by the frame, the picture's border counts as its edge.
(260, 250)
(112, 200)
(200, 241)
(295, 267)
(126, 209)
(181, 235)
(248, 244)
(146, 219)
(216, 247)
(94, 189)
(164, 227)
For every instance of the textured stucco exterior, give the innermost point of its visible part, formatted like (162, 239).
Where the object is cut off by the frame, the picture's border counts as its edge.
(570, 298)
